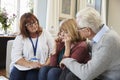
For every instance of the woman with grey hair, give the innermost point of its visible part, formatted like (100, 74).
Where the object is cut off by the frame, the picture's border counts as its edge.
(105, 49)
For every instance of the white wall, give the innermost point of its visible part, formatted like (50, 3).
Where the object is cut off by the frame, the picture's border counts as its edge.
(114, 14)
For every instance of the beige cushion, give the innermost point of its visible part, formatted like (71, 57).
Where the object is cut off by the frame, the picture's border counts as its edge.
(8, 56)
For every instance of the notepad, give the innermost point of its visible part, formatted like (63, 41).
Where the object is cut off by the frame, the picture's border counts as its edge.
(3, 78)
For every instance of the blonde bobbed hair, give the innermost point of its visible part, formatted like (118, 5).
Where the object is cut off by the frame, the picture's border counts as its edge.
(71, 27)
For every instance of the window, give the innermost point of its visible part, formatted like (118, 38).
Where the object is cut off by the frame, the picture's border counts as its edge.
(67, 8)
(17, 7)
(91, 3)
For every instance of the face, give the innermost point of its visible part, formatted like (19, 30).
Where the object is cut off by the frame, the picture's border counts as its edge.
(84, 32)
(63, 35)
(32, 27)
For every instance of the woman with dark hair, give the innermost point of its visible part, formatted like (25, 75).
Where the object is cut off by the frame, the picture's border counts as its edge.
(31, 49)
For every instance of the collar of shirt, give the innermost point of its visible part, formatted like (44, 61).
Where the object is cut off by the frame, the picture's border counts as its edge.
(99, 35)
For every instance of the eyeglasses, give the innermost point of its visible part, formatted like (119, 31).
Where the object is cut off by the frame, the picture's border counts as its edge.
(82, 28)
(31, 24)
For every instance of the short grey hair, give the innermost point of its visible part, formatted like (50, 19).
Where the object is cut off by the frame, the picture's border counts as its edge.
(89, 17)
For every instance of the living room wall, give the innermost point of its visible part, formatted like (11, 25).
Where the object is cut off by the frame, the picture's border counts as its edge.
(114, 14)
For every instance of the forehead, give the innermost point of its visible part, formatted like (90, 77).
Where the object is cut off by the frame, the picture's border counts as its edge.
(63, 30)
(30, 20)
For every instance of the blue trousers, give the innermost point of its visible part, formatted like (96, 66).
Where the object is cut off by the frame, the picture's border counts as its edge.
(24, 75)
(49, 73)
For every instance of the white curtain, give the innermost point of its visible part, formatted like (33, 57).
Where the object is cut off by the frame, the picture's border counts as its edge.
(52, 18)
(103, 11)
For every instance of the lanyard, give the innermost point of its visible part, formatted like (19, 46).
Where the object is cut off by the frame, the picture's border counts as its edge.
(34, 47)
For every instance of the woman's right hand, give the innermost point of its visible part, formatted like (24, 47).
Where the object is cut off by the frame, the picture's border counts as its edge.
(28, 64)
(34, 64)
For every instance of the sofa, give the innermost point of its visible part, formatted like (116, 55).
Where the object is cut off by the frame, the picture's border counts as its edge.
(8, 56)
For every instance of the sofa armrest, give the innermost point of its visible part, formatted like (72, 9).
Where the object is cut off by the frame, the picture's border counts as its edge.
(8, 56)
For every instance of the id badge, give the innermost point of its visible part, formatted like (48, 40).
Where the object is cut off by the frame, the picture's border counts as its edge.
(34, 60)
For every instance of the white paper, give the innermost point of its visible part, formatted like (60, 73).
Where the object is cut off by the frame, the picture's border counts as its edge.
(3, 78)
(22, 68)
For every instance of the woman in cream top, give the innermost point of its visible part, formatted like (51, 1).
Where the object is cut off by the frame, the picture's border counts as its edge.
(31, 49)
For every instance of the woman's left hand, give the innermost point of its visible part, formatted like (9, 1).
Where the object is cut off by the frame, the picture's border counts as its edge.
(67, 41)
(67, 45)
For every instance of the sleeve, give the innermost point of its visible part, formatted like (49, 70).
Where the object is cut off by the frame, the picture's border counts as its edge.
(17, 49)
(54, 57)
(98, 64)
(53, 60)
(81, 54)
